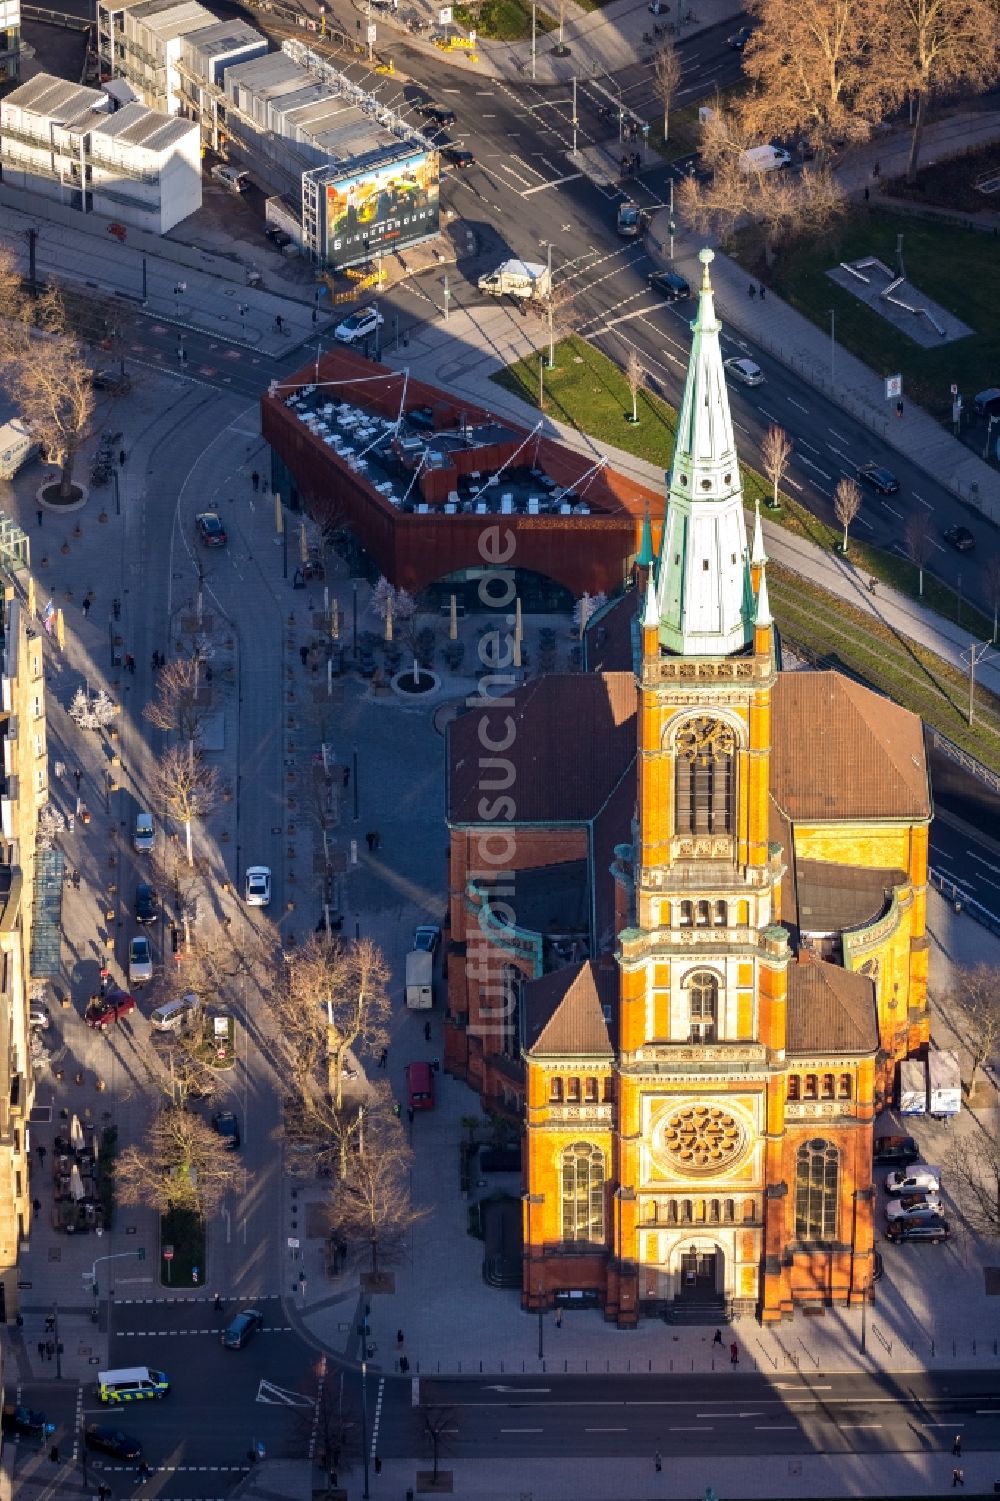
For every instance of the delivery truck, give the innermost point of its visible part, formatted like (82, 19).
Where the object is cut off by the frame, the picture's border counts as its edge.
(912, 1087)
(419, 980)
(945, 1084)
(17, 446)
(516, 279)
(764, 159)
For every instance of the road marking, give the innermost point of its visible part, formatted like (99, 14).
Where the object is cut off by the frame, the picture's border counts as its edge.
(797, 404)
(520, 1430)
(556, 183)
(839, 436)
(277, 1396)
(775, 1428)
(984, 1411)
(803, 444)
(809, 463)
(921, 499)
(838, 453)
(605, 1430)
(519, 1389)
(856, 1425)
(769, 415)
(703, 1429)
(888, 507)
(980, 861)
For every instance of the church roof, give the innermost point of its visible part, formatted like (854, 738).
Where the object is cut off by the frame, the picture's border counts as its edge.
(833, 898)
(564, 1011)
(867, 759)
(830, 1010)
(573, 739)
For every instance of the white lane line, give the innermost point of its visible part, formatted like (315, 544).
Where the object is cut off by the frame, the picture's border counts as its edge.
(556, 183)
(839, 436)
(809, 464)
(793, 482)
(924, 1424)
(705, 1429)
(926, 503)
(520, 1430)
(856, 1425)
(896, 513)
(803, 444)
(605, 1430)
(935, 543)
(741, 427)
(980, 861)
(838, 453)
(769, 415)
(775, 1428)
(859, 520)
(797, 404)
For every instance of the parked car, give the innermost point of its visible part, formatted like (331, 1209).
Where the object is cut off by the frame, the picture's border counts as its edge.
(895, 1149)
(140, 960)
(211, 532)
(671, 284)
(746, 372)
(914, 1207)
(109, 1010)
(242, 1328)
(458, 156)
(176, 1015)
(143, 834)
(117, 382)
(278, 237)
(360, 325)
(932, 1230)
(258, 886)
(28, 1421)
(39, 1015)
(960, 538)
(876, 477)
(919, 1179)
(146, 909)
(112, 1441)
(739, 39)
(427, 937)
(228, 1127)
(987, 403)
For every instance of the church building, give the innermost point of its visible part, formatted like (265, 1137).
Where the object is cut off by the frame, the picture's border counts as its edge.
(692, 968)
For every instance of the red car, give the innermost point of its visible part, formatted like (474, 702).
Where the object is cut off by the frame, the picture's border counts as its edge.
(110, 1009)
(210, 529)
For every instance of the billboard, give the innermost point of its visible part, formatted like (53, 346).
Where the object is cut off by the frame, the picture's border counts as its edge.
(382, 208)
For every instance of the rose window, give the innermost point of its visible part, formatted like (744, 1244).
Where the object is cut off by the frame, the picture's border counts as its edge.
(702, 1138)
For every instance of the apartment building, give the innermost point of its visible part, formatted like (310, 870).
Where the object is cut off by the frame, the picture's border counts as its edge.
(133, 165)
(10, 42)
(142, 43)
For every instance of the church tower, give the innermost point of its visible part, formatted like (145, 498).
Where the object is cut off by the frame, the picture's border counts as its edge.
(703, 960)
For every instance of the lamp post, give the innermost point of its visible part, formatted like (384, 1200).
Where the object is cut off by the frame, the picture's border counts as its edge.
(364, 1421)
(833, 346)
(55, 1331)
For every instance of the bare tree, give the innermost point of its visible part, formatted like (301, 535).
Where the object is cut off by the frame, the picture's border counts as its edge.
(437, 1421)
(49, 378)
(846, 505)
(667, 71)
(992, 572)
(635, 375)
(179, 1075)
(977, 991)
(343, 1131)
(371, 1209)
(557, 305)
(185, 788)
(333, 1426)
(974, 1174)
(918, 540)
(929, 47)
(176, 707)
(775, 453)
(181, 1164)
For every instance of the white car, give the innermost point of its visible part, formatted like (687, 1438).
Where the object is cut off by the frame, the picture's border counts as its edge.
(140, 960)
(144, 834)
(914, 1207)
(258, 886)
(746, 372)
(38, 1015)
(919, 1179)
(359, 325)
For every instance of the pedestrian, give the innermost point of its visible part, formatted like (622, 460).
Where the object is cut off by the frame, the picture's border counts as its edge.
(116, 608)
(145, 1473)
(559, 1318)
(347, 776)
(36, 1206)
(404, 1365)
(734, 1353)
(956, 1447)
(957, 1477)
(877, 170)
(41, 515)
(217, 1300)
(121, 457)
(50, 1349)
(87, 602)
(279, 324)
(718, 1337)
(752, 291)
(763, 291)
(303, 655)
(378, 1465)
(427, 1031)
(54, 1454)
(400, 1337)
(383, 1058)
(41, 1349)
(899, 409)
(409, 1114)
(41, 1153)
(370, 840)
(255, 481)
(867, 195)
(872, 584)
(658, 1462)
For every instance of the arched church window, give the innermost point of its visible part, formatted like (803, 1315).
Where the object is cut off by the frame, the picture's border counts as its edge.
(794, 1087)
(721, 914)
(583, 1176)
(556, 1091)
(686, 918)
(703, 1006)
(827, 1090)
(817, 1183)
(573, 1091)
(844, 1084)
(705, 777)
(701, 915)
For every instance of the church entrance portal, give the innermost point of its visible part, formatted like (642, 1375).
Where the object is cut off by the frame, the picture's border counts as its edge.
(699, 1270)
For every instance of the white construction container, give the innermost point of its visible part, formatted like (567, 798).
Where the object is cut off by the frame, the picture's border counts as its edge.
(945, 1083)
(912, 1087)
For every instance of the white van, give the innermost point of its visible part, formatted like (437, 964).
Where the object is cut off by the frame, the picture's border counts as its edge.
(764, 159)
(132, 1384)
(174, 1016)
(17, 446)
(231, 178)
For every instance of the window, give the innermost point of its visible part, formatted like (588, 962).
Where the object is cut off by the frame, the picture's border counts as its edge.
(721, 915)
(729, 1211)
(844, 1084)
(705, 758)
(713, 1211)
(651, 1214)
(686, 915)
(573, 1091)
(794, 1087)
(827, 1089)
(811, 1092)
(701, 915)
(817, 1175)
(555, 1091)
(686, 1215)
(703, 1005)
(590, 1091)
(672, 1212)
(583, 1192)
(749, 1209)
(609, 1090)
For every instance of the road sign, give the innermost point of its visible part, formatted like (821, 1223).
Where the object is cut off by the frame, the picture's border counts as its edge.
(168, 1253)
(372, 32)
(893, 387)
(293, 1244)
(444, 16)
(954, 389)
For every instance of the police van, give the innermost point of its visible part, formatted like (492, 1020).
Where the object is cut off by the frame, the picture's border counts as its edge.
(132, 1384)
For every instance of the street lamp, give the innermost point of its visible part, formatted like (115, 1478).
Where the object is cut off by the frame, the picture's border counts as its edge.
(833, 346)
(364, 1420)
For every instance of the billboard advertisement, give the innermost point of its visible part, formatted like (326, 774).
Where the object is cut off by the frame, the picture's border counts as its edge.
(382, 208)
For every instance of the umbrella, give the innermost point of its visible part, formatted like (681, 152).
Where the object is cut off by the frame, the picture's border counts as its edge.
(76, 1133)
(76, 1188)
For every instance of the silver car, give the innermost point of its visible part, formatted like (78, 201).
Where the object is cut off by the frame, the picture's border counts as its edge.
(746, 372)
(258, 886)
(140, 960)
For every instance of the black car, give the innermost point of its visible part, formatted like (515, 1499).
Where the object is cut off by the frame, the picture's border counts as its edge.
(439, 114)
(671, 284)
(934, 1230)
(877, 477)
(960, 538)
(243, 1327)
(112, 1441)
(145, 903)
(457, 156)
(895, 1149)
(228, 1127)
(739, 39)
(27, 1421)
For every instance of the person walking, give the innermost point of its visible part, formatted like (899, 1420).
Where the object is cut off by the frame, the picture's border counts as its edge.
(41, 1154)
(41, 515)
(87, 602)
(872, 584)
(427, 1031)
(41, 1349)
(877, 170)
(383, 1058)
(378, 1465)
(752, 291)
(718, 1337)
(763, 291)
(54, 1454)
(400, 1337)
(217, 1300)
(867, 195)
(370, 840)
(255, 481)
(121, 457)
(899, 409)
(956, 1447)
(957, 1477)
(559, 1318)
(734, 1354)
(303, 655)
(658, 1461)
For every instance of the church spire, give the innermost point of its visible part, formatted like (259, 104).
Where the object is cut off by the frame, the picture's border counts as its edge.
(646, 557)
(702, 575)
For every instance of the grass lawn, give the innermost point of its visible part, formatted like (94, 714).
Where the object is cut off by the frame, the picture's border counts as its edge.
(952, 184)
(503, 20)
(587, 391)
(185, 1232)
(955, 267)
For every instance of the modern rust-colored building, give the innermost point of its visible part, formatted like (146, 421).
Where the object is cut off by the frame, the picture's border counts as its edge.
(426, 484)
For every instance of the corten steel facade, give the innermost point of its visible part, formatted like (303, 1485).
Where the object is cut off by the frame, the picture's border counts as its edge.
(592, 553)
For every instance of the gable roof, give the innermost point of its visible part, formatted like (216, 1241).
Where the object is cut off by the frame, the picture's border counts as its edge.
(564, 1011)
(571, 736)
(840, 751)
(830, 1010)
